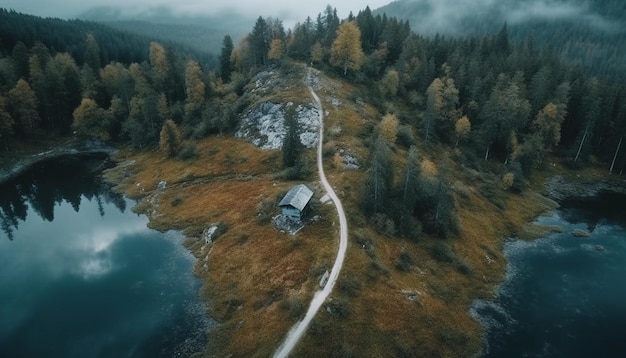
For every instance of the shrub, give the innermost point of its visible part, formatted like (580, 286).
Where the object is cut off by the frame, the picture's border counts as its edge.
(188, 151)
(176, 201)
(339, 308)
(442, 252)
(294, 306)
(265, 210)
(404, 262)
(405, 136)
(350, 285)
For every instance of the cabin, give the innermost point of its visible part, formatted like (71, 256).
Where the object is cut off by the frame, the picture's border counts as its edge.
(295, 204)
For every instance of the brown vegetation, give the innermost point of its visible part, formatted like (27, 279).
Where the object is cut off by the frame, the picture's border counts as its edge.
(258, 281)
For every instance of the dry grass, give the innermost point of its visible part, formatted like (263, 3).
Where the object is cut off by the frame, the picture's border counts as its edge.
(256, 278)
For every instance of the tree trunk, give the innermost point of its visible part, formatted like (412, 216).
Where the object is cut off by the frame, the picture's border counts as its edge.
(580, 147)
(487, 152)
(615, 156)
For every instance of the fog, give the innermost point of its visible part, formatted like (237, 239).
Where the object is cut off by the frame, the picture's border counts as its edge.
(287, 10)
(448, 16)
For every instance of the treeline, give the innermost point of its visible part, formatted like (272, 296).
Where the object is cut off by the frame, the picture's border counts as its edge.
(69, 36)
(47, 90)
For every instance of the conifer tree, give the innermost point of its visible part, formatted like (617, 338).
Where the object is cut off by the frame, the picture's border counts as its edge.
(225, 64)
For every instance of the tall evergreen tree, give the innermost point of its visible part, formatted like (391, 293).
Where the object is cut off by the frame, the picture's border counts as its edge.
(225, 64)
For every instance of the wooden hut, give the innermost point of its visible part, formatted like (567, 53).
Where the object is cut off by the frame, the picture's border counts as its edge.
(295, 203)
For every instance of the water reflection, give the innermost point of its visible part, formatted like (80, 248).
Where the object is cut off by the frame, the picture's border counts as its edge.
(51, 183)
(75, 282)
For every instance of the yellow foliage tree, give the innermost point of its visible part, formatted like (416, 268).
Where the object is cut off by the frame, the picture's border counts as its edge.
(159, 62)
(388, 128)
(195, 87)
(462, 128)
(170, 139)
(429, 169)
(346, 52)
(91, 121)
(276, 50)
(24, 103)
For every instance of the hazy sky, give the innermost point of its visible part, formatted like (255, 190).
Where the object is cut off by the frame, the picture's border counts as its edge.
(284, 9)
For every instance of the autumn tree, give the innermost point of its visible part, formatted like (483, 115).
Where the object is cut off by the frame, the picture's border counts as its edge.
(276, 50)
(462, 128)
(346, 52)
(91, 121)
(160, 66)
(195, 89)
(23, 102)
(170, 139)
(388, 128)
(6, 124)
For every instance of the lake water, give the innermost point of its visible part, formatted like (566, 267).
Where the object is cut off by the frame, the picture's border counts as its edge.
(563, 296)
(82, 276)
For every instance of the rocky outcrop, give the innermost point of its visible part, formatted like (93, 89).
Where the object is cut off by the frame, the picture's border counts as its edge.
(264, 125)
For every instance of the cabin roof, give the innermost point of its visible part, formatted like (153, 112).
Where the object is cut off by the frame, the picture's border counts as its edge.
(298, 197)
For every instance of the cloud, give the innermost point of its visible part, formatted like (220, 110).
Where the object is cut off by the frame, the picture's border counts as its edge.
(448, 16)
(283, 9)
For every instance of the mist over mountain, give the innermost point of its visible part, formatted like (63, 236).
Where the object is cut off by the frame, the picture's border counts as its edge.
(202, 32)
(591, 33)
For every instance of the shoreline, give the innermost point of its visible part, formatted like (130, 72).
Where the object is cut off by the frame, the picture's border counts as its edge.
(18, 166)
(162, 213)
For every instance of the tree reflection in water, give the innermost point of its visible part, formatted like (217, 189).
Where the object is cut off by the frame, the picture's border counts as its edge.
(49, 184)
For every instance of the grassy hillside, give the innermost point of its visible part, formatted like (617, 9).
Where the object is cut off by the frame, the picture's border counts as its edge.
(395, 296)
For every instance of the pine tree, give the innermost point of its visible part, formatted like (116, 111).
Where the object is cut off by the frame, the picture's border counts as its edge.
(292, 146)
(260, 38)
(225, 55)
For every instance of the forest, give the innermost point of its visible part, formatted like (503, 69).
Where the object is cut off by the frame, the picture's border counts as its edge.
(485, 99)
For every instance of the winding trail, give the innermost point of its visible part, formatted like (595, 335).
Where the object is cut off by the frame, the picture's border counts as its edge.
(296, 332)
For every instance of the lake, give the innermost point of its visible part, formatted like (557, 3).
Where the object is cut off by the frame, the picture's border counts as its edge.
(563, 296)
(81, 275)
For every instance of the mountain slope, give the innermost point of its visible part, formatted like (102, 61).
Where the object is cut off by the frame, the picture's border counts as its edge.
(202, 33)
(588, 33)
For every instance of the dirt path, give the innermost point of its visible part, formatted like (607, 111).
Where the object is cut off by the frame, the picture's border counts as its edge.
(296, 332)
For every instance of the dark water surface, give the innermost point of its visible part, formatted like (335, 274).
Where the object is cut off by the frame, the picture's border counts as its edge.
(82, 276)
(563, 296)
